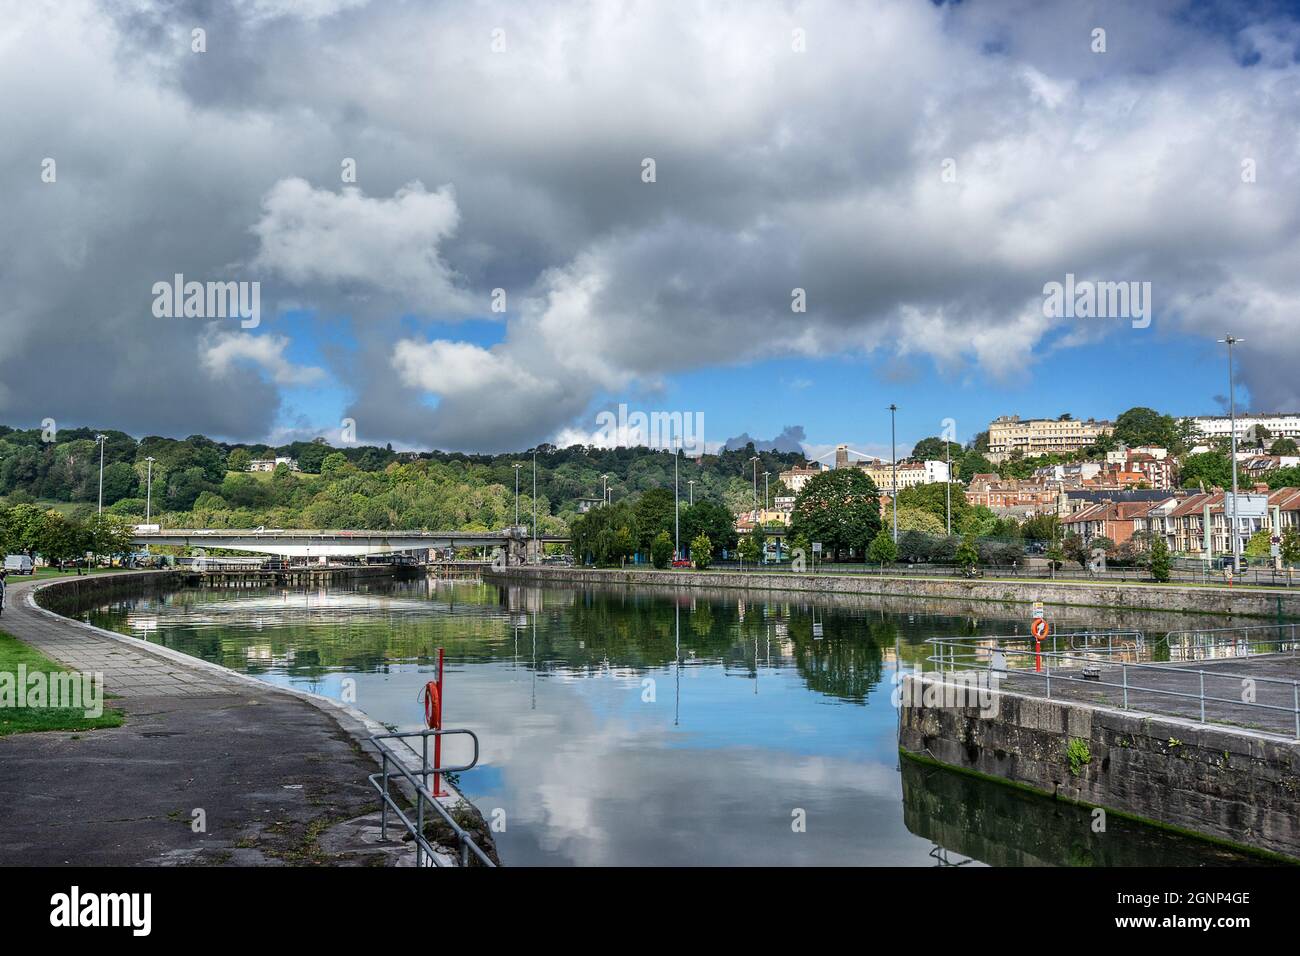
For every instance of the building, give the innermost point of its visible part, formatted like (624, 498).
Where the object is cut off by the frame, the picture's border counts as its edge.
(1022, 497)
(910, 473)
(270, 464)
(797, 477)
(1042, 436)
(1278, 424)
(1116, 520)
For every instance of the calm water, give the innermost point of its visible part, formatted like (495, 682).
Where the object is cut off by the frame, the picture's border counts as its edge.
(655, 729)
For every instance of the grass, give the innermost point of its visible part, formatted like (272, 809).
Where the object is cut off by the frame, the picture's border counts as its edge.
(23, 720)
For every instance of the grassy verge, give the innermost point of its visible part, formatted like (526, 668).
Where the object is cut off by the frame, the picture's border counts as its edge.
(22, 720)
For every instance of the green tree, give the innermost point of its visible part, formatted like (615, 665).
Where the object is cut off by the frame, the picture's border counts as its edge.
(749, 549)
(967, 555)
(1041, 527)
(839, 508)
(661, 550)
(1260, 545)
(107, 536)
(61, 539)
(713, 520)
(1290, 547)
(1146, 426)
(914, 519)
(1284, 446)
(1160, 562)
(701, 551)
(882, 550)
(1211, 469)
(933, 499)
(935, 449)
(238, 460)
(333, 464)
(654, 514)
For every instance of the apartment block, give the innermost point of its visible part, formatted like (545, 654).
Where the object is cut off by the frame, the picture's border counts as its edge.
(1008, 434)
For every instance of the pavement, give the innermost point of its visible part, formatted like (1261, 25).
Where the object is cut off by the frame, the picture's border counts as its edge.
(1270, 678)
(273, 776)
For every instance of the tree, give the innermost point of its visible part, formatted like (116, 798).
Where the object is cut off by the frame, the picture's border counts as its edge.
(936, 449)
(933, 498)
(107, 535)
(1284, 446)
(882, 550)
(1160, 559)
(1146, 426)
(661, 550)
(1290, 547)
(839, 508)
(1211, 469)
(333, 464)
(238, 460)
(914, 519)
(654, 513)
(1260, 544)
(61, 539)
(701, 551)
(120, 481)
(749, 549)
(967, 555)
(1075, 549)
(713, 520)
(1041, 527)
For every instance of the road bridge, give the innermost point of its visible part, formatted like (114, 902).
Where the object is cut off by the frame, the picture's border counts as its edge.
(299, 543)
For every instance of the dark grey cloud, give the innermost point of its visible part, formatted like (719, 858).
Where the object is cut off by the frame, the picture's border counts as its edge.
(775, 170)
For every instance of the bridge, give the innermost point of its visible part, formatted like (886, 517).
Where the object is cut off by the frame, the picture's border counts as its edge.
(300, 543)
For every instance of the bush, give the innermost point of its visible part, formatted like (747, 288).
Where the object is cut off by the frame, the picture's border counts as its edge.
(882, 549)
(967, 555)
(702, 551)
(1160, 559)
(661, 550)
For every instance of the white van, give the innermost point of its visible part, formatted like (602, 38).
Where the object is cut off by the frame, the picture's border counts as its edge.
(18, 564)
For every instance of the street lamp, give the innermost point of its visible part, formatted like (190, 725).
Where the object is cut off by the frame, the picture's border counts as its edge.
(518, 465)
(690, 485)
(947, 483)
(101, 439)
(765, 499)
(755, 461)
(536, 554)
(1231, 340)
(148, 485)
(604, 489)
(893, 455)
(677, 508)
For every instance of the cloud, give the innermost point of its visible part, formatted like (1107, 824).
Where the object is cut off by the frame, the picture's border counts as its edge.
(314, 236)
(221, 352)
(776, 170)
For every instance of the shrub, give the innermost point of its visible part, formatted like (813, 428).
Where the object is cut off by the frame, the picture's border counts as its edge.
(661, 550)
(882, 549)
(702, 551)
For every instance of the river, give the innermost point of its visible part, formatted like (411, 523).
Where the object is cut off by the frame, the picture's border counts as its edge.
(666, 728)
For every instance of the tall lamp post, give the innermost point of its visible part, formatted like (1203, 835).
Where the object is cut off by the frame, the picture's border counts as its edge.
(893, 455)
(518, 465)
(690, 486)
(677, 508)
(765, 498)
(604, 489)
(755, 461)
(148, 488)
(536, 554)
(1231, 340)
(947, 484)
(101, 439)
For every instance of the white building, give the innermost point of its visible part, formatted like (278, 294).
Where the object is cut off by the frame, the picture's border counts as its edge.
(270, 464)
(910, 474)
(1279, 425)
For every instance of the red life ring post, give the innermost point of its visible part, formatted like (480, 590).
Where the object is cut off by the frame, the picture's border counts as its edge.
(1040, 629)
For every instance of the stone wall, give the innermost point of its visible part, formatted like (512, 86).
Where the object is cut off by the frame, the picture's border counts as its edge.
(1224, 783)
(72, 594)
(1270, 604)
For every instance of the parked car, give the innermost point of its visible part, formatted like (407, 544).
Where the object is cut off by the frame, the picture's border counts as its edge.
(19, 564)
(682, 563)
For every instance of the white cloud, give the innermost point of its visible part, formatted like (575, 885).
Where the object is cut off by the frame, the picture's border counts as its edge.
(221, 352)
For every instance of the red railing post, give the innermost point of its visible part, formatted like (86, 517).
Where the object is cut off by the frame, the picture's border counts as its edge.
(437, 741)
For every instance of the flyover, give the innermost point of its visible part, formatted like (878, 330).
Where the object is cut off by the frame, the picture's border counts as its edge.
(300, 543)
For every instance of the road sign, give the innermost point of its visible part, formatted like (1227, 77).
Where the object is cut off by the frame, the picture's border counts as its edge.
(1040, 628)
(817, 547)
(1038, 610)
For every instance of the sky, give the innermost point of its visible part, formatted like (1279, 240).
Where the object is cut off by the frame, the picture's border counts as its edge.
(479, 226)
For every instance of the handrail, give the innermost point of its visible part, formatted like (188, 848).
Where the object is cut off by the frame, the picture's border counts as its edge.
(419, 781)
(953, 654)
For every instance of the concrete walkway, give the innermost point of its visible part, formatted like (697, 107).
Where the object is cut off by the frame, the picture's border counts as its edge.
(1271, 678)
(273, 773)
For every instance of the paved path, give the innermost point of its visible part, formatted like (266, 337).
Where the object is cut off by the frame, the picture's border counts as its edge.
(1272, 679)
(271, 771)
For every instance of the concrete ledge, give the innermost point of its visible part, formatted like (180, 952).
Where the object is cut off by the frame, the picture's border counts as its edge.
(1230, 785)
(1272, 603)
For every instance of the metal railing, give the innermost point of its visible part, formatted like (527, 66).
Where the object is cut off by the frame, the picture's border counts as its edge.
(999, 654)
(1205, 643)
(394, 765)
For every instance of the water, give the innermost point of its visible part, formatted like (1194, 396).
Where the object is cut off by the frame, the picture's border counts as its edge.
(655, 729)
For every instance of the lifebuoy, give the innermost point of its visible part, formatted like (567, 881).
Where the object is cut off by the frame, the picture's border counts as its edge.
(432, 705)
